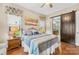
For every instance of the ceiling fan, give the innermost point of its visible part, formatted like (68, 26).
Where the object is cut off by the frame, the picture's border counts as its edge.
(49, 4)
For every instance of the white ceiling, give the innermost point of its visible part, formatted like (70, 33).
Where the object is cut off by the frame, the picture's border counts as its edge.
(36, 7)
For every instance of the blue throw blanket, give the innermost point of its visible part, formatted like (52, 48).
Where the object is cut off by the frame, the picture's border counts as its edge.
(27, 40)
(31, 44)
(34, 48)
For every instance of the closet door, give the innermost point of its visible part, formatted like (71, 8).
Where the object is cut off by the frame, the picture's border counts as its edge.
(68, 27)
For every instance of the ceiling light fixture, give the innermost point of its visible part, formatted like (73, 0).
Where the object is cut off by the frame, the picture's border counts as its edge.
(49, 4)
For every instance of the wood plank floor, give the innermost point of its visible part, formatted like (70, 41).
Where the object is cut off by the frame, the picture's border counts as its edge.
(17, 51)
(67, 49)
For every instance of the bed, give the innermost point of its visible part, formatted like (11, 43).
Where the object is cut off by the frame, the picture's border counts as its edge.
(41, 44)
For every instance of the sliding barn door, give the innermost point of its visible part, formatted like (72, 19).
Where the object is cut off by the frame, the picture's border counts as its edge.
(68, 27)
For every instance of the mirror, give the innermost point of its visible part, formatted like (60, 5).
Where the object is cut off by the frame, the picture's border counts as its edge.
(56, 25)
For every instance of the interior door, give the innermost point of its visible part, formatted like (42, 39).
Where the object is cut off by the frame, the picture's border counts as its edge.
(68, 27)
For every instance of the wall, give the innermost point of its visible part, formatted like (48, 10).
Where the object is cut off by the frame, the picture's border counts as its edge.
(49, 20)
(3, 19)
(26, 13)
(29, 13)
(49, 25)
(77, 28)
(3, 24)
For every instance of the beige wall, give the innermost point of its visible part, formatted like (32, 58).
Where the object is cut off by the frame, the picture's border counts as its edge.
(29, 13)
(3, 24)
(49, 20)
(26, 13)
(48, 25)
(3, 18)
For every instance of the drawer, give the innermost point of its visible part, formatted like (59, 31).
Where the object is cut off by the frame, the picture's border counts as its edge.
(14, 43)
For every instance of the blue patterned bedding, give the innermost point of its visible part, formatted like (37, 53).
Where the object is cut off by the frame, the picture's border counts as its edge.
(31, 44)
(35, 48)
(28, 39)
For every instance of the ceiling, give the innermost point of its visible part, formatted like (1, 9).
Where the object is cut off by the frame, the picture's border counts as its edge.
(36, 7)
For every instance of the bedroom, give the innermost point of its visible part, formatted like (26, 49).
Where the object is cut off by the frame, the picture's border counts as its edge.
(26, 28)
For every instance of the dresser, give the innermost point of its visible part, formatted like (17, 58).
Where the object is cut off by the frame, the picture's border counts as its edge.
(14, 43)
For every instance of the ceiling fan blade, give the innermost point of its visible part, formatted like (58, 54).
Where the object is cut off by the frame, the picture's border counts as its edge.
(50, 5)
(42, 4)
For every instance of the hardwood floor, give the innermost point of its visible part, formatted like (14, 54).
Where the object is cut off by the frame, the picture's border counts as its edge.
(17, 51)
(67, 49)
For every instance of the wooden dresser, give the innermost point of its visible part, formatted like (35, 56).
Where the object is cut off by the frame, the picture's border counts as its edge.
(14, 43)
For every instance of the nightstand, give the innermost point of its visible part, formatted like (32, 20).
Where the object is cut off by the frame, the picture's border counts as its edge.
(14, 43)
